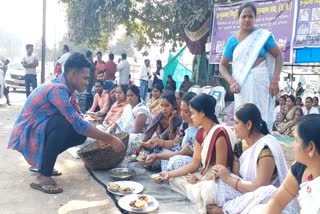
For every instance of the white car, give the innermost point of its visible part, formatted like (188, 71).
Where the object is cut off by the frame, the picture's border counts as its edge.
(15, 76)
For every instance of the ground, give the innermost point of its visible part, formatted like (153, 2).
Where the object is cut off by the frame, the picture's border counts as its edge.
(82, 194)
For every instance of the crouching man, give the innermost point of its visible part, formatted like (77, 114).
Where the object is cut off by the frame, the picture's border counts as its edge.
(50, 122)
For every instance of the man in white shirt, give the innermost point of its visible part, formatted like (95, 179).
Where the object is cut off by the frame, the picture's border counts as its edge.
(144, 79)
(65, 55)
(124, 70)
(30, 62)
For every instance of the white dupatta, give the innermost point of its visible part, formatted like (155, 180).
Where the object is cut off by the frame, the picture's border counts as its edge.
(246, 53)
(309, 197)
(248, 171)
(249, 159)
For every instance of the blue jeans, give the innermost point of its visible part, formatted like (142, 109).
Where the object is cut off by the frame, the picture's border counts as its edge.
(30, 80)
(143, 89)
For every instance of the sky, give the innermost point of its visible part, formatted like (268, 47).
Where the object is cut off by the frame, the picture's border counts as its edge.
(24, 19)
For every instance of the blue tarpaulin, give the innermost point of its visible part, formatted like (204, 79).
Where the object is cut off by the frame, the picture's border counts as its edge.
(176, 69)
(308, 55)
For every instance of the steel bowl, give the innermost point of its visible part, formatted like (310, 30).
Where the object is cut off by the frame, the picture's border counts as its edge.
(120, 174)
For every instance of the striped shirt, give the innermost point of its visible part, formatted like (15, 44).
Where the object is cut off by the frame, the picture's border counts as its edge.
(44, 102)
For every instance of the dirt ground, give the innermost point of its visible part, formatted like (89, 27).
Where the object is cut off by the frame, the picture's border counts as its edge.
(82, 194)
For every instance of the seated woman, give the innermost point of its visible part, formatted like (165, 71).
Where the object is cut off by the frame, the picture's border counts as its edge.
(289, 117)
(100, 103)
(213, 146)
(163, 126)
(303, 178)
(154, 103)
(308, 108)
(178, 152)
(277, 110)
(135, 117)
(259, 166)
(116, 109)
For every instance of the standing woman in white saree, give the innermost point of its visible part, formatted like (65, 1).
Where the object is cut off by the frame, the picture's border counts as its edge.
(256, 64)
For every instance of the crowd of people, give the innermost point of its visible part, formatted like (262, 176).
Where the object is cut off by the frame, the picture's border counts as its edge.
(219, 169)
(178, 133)
(290, 110)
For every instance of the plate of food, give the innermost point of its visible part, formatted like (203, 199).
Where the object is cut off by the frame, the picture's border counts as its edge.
(138, 203)
(124, 187)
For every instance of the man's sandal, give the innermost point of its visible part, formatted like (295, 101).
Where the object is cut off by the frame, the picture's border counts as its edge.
(44, 187)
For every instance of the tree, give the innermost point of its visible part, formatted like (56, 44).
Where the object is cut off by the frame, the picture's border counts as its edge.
(151, 21)
(125, 44)
(52, 54)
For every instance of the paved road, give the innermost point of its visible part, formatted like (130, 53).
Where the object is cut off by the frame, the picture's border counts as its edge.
(82, 194)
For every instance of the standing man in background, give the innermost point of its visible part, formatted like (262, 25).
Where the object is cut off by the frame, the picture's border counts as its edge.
(111, 68)
(299, 90)
(124, 70)
(158, 75)
(92, 70)
(144, 79)
(100, 64)
(30, 62)
(65, 55)
(6, 89)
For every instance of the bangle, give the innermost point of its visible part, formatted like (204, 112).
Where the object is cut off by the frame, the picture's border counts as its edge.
(274, 81)
(170, 132)
(236, 184)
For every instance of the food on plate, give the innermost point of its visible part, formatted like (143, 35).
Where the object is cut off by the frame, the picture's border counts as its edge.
(137, 204)
(113, 187)
(145, 198)
(157, 178)
(126, 190)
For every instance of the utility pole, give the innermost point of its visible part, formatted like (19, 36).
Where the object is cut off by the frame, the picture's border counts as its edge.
(43, 51)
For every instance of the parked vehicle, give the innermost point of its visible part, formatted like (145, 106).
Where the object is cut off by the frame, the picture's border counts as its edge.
(15, 76)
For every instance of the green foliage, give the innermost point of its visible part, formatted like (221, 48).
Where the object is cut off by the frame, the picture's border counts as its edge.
(125, 44)
(150, 21)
